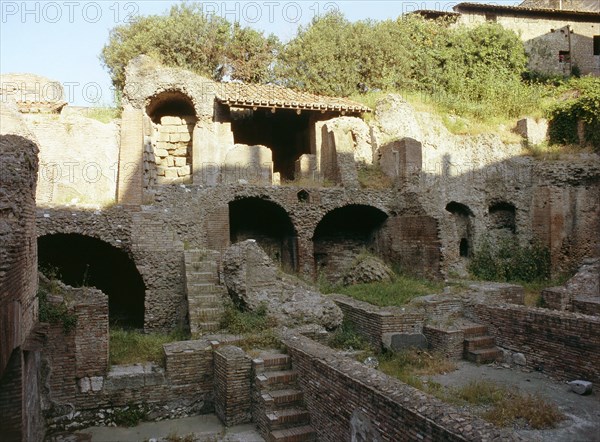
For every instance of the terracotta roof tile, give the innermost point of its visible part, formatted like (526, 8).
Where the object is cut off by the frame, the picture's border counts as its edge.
(272, 96)
(526, 10)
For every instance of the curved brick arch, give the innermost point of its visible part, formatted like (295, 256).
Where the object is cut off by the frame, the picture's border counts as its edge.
(344, 233)
(80, 260)
(269, 223)
(172, 96)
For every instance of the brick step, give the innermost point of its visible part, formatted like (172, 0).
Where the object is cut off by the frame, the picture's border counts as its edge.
(207, 314)
(209, 326)
(202, 267)
(479, 343)
(276, 362)
(305, 433)
(276, 378)
(484, 356)
(205, 288)
(287, 418)
(475, 330)
(285, 398)
(205, 300)
(202, 277)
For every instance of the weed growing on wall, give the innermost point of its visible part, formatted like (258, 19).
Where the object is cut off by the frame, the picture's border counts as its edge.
(54, 312)
(130, 415)
(506, 260)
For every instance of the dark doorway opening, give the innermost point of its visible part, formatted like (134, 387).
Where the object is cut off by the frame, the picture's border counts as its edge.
(267, 223)
(80, 260)
(503, 216)
(462, 221)
(284, 132)
(342, 235)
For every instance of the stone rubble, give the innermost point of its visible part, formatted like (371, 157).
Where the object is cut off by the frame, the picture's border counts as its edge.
(253, 280)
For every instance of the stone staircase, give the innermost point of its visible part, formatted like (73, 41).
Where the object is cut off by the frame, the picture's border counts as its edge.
(479, 346)
(205, 294)
(280, 412)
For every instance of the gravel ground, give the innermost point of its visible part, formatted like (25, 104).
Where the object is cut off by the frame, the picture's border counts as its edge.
(582, 412)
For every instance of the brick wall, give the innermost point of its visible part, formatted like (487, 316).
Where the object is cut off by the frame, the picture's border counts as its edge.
(233, 385)
(450, 343)
(11, 398)
(337, 390)
(18, 280)
(372, 322)
(413, 243)
(566, 345)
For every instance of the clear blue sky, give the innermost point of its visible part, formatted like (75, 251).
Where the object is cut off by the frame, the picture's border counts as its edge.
(62, 40)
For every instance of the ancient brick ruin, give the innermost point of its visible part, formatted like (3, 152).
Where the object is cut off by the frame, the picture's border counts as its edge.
(196, 166)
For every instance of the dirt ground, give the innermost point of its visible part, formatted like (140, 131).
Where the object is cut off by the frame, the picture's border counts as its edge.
(582, 412)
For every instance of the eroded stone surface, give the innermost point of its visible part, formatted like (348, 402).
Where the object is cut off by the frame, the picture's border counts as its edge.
(366, 270)
(253, 280)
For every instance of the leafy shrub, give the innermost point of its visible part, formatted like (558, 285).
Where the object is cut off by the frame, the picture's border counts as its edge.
(506, 260)
(580, 101)
(345, 337)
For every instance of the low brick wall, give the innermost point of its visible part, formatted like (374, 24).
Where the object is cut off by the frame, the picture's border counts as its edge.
(80, 379)
(348, 400)
(556, 298)
(372, 321)
(233, 386)
(587, 306)
(566, 345)
(450, 343)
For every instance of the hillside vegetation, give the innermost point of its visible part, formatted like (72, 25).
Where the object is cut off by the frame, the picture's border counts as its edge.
(477, 73)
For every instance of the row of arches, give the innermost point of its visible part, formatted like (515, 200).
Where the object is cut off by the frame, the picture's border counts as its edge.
(340, 234)
(502, 216)
(80, 260)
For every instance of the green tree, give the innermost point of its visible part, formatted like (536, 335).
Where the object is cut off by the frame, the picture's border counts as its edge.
(322, 57)
(188, 38)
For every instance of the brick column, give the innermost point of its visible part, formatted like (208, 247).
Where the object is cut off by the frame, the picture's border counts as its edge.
(233, 396)
(129, 186)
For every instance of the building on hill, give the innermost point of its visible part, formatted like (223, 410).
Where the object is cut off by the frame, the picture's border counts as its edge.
(558, 41)
(572, 5)
(560, 37)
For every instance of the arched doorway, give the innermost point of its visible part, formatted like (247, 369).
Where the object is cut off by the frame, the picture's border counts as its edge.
(173, 120)
(342, 235)
(462, 220)
(80, 260)
(269, 224)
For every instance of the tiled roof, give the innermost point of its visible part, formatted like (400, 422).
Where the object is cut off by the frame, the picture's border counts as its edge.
(433, 14)
(594, 16)
(271, 96)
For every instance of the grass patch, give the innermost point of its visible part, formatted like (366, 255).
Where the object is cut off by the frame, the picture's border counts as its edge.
(103, 114)
(533, 290)
(372, 177)
(506, 407)
(408, 365)
(241, 322)
(256, 327)
(401, 290)
(132, 346)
